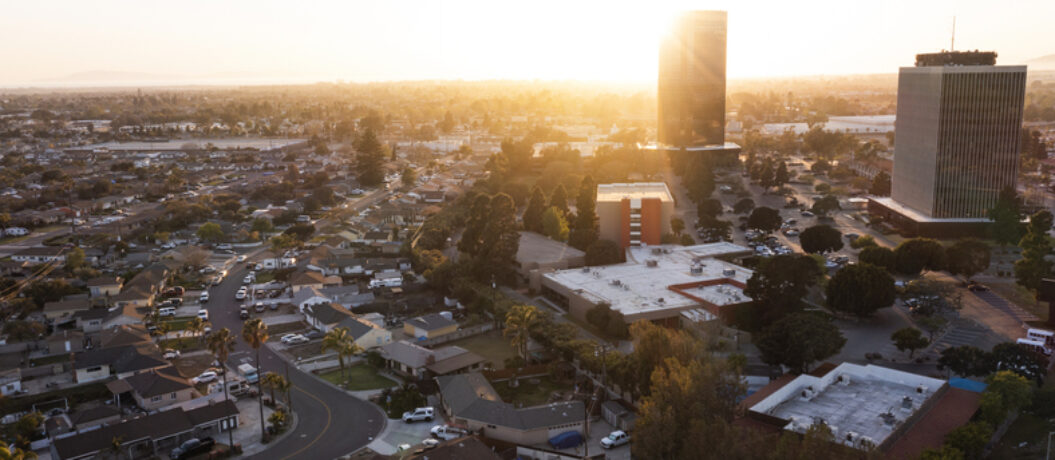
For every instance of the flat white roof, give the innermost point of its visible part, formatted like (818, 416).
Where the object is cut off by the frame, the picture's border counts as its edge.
(633, 190)
(856, 402)
(641, 284)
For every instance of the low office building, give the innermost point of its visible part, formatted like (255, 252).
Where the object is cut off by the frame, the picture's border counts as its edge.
(635, 213)
(538, 255)
(469, 400)
(656, 283)
(865, 407)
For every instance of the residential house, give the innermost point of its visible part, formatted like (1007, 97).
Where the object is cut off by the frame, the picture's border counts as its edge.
(41, 254)
(307, 297)
(366, 334)
(155, 388)
(469, 400)
(348, 296)
(306, 279)
(105, 286)
(415, 361)
(458, 449)
(270, 261)
(62, 311)
(10, 382)
(65, 341)
(377, 236)
(429, 326)
(147, 436)
(122, 361)
(325, 316)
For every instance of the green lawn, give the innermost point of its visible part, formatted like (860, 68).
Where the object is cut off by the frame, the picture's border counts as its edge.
(490, 345)
(530, 394)
(1028, 429)
(178, 324)
(13, 239)
(357, 378)
(264, 277)
(183, 344)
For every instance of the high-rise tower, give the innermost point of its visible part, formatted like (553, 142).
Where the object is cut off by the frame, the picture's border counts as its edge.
(691, 97)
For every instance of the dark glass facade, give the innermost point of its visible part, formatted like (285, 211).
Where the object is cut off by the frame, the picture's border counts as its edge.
(691, 93)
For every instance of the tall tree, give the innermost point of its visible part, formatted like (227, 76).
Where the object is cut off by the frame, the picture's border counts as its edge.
(520, 321)
(585, 228)
(554, 225)
(860, 290)
(825, 205)
(781, 176)
(880, 184)
(603, 252)
(878, 256)
(475, 225)
(744, 206)
(778, 285)
(1036, 246)
(221, 344)
(340, 341)
(821, 238)
(409, 177)
(1007, 217)
(965, 361)
(210, 231)
(370, 159)
(254, 332)
(799, 340)
(918, 254)
(500, 241)
(909, 338)
(967, 257)
(559, 198)
(532, 217)
(765, 219)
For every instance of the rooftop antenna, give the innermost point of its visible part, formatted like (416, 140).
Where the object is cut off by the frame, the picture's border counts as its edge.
(952, 44)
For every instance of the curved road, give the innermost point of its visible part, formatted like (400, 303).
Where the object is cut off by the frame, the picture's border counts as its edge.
(330, 424)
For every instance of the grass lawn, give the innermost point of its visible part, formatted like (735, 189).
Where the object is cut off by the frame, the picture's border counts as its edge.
(357, 378)
(1029, 429)
(264, 277)
(178, 324)
(13, 239)
(490, 345)
(530, 394)
(277, 330)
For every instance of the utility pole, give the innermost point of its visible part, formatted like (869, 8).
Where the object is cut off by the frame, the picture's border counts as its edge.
(289, 391)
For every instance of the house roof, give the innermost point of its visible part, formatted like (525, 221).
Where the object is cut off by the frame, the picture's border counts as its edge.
(152, 426)
(309, 277)
(457, 449)
(431, 322)
(128, 358)
(416, 356)
(95, 413)
(156, 382)
(104, 281)
(471, 396)
(305, 294)
(67, 305)
(327, 313)
(357, 327)
(455, 363)
(124, 335)
(41, 251)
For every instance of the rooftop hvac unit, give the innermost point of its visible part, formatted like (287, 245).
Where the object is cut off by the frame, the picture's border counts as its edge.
(657, 251)
(922, 389)
(728, 272)
(807, 393)
(696, 270)
(652, 263)
(586, 269)
(844, 379)
(851, 437)
(660, 300)
(615, 283)
(906, 403)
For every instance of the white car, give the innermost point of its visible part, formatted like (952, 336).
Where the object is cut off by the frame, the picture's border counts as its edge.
(205, 377)
(615, 439)
(241, 258)
(446, 432)
(248, 279)
(297, 340)
(430, 443)
(287, 337)
(171, 354)
(419, 414)
(204, 297)
(240, 295)
(203, 314)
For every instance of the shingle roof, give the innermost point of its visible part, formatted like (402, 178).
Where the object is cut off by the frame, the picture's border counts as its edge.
(128, 358)
(327, 313)
(356, 327)
(471, 396)
(158, 382)
(431, 322)
(458, 449)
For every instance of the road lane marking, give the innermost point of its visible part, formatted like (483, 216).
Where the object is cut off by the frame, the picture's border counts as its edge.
(326, 428)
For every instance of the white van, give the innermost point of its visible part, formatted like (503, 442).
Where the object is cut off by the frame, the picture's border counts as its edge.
(1035, 345)
(249, 372)
(167, 311)
(1040, 335)
(204, 297)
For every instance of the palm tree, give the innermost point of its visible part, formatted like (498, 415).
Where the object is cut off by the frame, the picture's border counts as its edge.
(255, 334)
(519, 322)
(196, 326)
(273, 382)
(12, 452)
(221, 343)
(340, 341)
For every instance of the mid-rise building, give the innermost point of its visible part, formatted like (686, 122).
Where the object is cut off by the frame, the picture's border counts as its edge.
(633, 214)
(691, 93)
(957, 142)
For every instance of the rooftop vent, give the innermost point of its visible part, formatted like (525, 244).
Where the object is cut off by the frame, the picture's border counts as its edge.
(696, 270)
(586, 269)
(660, 300)
(615, 283)
(888, 418)
(728, 272)
(906, 403)
(652, 263)
(657, 251)
(844, 379)
(922, 389)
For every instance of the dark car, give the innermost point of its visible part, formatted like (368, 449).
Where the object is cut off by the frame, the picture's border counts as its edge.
(192, 447)
(977, 287)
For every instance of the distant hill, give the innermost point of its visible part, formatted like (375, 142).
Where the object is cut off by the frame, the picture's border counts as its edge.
(111, 76)
(1042, 63)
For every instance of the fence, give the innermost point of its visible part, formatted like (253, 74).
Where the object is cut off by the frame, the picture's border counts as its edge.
(544, 454)
(457, 335)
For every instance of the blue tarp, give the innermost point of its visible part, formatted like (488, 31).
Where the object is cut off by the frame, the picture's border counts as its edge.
(969, 385)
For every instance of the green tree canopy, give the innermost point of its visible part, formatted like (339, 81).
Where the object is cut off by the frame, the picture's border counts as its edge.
(878, 256)
(210, 231)
(536, 206)
(860, 290)
(744, 206)
(918, 254)
(799, 340)
(1036, 246)
(909, 338)
(820, 239)
(604, 252)
(765, 219)
(370, 159)
(1007, 217)
(554, 225)
(880, 184)
(585, 227)
(967, 257)
(778, 285)
(825, 205)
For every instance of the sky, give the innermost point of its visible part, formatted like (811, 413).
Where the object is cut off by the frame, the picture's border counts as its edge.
(590, 40)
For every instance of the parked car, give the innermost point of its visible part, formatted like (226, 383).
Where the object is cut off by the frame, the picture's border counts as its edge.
(243, 313)
(204, 297)
(807, 214)
(241, 258)
(975, 287)
(313, 334)
(259, 307)
(240, 295)
(171, 354)
(447, 432)
(248, 279)
(615, 439)
(299, 339)
(167, 311)
(204, 377)
(203, 314)
(192, 447)
(287, 337)
(419, 414)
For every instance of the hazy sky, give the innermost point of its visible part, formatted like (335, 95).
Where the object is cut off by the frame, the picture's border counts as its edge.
(361, 40)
